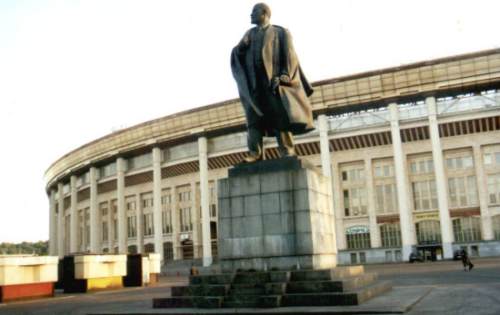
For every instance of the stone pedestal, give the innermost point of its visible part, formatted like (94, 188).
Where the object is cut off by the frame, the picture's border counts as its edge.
(276, 214)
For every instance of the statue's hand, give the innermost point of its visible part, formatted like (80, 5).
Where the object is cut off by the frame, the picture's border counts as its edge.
(275, 83)
(285, 79)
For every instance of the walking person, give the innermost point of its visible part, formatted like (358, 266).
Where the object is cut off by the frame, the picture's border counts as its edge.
(466, 261)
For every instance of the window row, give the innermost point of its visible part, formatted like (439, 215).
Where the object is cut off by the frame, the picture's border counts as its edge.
(428, 232)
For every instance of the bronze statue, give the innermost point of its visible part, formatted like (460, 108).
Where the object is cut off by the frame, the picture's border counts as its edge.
(273, 90)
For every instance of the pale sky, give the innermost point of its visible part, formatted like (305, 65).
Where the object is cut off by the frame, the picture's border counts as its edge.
(73, 71)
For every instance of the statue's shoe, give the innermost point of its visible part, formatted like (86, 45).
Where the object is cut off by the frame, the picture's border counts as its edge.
(252, 158)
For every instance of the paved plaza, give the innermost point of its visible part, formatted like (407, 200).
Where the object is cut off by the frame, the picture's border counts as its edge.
(443, 287)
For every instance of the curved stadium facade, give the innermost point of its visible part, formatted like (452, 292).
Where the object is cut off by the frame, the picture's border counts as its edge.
(413, 152)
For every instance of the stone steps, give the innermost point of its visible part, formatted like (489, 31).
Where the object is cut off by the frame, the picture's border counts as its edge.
(201, 290)
(211, 279)
(327, 274)
(331, 287)
(252, 301)
(341, 285)
(189, 302)
(336, 298)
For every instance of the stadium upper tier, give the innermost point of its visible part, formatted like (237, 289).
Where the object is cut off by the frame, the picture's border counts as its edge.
(446, 76)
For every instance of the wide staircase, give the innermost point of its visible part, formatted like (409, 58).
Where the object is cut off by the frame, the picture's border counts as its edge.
(330, 287)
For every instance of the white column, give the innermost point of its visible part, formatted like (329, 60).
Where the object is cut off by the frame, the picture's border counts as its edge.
(73, 231)
(60, 220)
(94, 213)
(52, 223)
(339, 212)
(405, 217)
(372, 216)
(441, 186)
(195, 215)
(205, 201)
(175, 222)
(326, 165)
(482, 190)
(120, 211)
(158, 231)
(140, 224)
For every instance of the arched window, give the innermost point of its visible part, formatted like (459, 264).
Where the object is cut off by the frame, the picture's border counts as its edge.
(390, 234)
(496, 226)
(467, 229)
(428, 232)
(358, 237)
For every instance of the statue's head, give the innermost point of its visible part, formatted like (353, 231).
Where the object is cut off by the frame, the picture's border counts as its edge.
(261, 14)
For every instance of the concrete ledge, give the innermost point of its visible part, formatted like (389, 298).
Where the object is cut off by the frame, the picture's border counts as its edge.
(100, 266)
(16, 270)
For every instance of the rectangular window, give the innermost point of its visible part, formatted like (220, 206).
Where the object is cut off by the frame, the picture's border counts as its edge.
(105, 231)
(140, 161)
(462, 191)
(166, 219)
(132, 226)
(354, 258)
(166, 199)
(115, 229)
(147, 201)
(148, 224)
(213, 211)
(184, 196)
(362, 257)
(355, 202)
(494, 189)
(386, 198)
(424, 195)
(108, 170)
(422, 165)
(186, 222)
(131, 205)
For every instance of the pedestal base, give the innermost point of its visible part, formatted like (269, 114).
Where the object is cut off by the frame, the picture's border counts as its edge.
(276, 214)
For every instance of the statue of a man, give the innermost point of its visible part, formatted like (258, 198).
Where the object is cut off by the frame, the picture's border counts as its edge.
(273, 90)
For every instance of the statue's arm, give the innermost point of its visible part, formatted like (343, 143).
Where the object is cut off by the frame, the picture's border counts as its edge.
(244, 43)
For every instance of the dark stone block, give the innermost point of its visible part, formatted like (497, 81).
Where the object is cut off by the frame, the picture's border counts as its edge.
(69, 283)
(134, 271)
(282, 164)
(211, 279)
(207, 301)
(239, 301)
(275, 288)
(279, 276)
(337, 298)
(270, 301)
(200, 290)
(173, 302)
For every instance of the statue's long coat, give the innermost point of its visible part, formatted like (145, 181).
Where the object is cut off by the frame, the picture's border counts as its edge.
(279, 58)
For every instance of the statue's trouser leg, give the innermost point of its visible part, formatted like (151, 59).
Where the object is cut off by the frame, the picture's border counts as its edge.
(255, 142)
(285, 143)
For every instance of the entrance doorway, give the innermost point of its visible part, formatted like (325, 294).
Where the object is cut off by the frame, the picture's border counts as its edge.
(430, 252)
